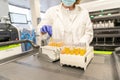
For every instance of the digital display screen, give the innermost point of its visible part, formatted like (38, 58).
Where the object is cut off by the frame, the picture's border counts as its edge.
(18, 18)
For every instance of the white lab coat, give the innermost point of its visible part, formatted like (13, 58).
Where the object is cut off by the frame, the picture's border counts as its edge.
(70, 26)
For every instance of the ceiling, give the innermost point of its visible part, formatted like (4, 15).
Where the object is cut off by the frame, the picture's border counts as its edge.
(20, 3)
(45, 4)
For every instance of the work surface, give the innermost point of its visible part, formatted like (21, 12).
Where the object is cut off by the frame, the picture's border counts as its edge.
(36, 68)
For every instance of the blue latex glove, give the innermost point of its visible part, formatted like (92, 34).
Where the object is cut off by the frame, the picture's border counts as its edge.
(46, 29)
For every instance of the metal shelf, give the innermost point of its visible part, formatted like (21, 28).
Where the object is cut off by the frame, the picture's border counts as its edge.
(107, 45)
(109, 28)
(106, 39)
(106, 35)
(103, 18)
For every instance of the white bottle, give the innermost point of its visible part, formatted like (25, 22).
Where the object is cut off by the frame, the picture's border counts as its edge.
(103, 24)
(109, 23)
(97, 23)
(106, 24)
(112, 23)
(100, 24)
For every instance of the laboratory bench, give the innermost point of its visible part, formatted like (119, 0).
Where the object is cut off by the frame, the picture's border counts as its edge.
(35, 67)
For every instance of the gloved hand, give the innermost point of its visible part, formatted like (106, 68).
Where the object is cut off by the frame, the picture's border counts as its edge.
(46, 29)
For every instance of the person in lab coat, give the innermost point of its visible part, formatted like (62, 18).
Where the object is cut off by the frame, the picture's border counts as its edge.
(69, 21)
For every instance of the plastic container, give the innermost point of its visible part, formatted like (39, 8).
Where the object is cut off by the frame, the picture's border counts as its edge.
(77, 60)
(52, 53)
(55, 42)
(52, 50)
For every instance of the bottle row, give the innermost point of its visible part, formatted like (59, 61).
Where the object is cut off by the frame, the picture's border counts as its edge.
(73, 51)
(103, 24)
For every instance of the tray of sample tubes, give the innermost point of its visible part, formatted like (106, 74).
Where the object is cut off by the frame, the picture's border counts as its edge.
(52, 50)
(76, 56)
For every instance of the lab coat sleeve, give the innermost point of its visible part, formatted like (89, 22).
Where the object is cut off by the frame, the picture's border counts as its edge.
(88, 36)
(47, 20)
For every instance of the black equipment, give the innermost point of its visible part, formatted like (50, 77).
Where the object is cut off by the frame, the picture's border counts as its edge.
(8, 32)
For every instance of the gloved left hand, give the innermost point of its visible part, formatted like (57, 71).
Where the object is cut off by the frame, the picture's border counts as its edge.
(46, 29)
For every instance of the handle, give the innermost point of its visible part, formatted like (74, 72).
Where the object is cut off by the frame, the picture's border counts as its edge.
(18, 41)
(34, 50)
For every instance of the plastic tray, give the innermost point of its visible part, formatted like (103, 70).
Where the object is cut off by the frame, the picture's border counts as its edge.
(53, 53)
(77, 60)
